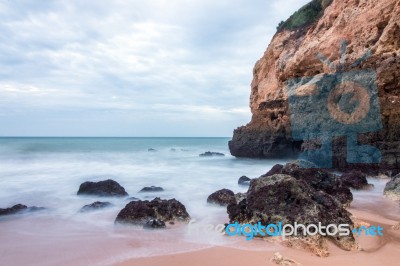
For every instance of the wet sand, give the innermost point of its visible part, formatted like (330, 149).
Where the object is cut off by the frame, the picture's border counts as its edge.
(368, 206)
(376, 251)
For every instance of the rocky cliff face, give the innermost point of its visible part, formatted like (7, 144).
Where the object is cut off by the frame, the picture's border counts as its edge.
(366, 25)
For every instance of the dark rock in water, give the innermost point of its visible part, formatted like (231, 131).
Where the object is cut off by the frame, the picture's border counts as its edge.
(222, 197)
(132, 199)
(211, 153)
(95, 206)
(140, 212)
(19, 208)
(106, 188)
(355, 179)
(154, 224)
(35, 209)
(244, 181)
(151, 150)
(151, 189)
(392, 188)
(283, 198)
(13, 210)
(320, 180)
(172, 149)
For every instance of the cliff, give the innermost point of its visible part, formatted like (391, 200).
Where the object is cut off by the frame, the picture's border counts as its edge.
(319, 29)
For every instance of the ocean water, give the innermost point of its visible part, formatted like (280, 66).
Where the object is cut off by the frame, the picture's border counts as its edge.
(47, 172)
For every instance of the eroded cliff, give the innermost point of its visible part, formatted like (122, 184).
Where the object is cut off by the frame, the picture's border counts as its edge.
(365, 25)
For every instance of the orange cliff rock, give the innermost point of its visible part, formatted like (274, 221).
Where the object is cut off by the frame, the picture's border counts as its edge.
(365, 25)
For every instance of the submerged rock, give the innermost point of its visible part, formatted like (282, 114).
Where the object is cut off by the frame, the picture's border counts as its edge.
(151, 189)
(19, 208)
(355, 179)
(106, 188)
(95, 206)
(283, 198)
(141, 212)
(151, 150)
(132, 199)
(211, 153)
(244, 181)
(392, 188)
(13, 210)
(222, 197)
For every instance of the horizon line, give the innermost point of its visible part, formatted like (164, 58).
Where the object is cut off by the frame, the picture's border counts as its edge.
(112, 137)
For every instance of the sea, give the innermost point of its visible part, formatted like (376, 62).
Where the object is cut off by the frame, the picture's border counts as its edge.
(47, 172)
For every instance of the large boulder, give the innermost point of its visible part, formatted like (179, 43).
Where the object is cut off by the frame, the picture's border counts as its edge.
(286, 199)
(144, 212)
(106, 188)
(392, 188)
(319, 179)
(222, 197)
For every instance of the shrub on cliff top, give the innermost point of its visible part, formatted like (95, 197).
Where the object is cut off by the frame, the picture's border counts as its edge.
(305, 15)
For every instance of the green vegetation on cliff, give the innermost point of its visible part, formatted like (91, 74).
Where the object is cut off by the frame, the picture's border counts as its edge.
(305, 15)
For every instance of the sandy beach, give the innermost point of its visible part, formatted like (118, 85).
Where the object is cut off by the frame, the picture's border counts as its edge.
(376, 251)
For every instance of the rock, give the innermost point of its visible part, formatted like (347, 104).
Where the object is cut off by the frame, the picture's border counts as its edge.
(240, 196)
(19, 208)
(355, 179)
(283, 198)
(222, 197)
(211, 153)
(281, 260)
(151, 150)
(154, 224)
(172, 149)
(244, 181)
(132, 199)
(276, 169)
(106, 188)
(392, 188)
(13, 210)
(292, 53)
(140, 212)
(151, 189)
(319, 179)
(95, 206)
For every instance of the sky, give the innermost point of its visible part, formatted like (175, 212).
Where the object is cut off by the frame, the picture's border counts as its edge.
(131, 68)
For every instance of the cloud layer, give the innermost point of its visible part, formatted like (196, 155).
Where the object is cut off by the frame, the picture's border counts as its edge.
(131, 68)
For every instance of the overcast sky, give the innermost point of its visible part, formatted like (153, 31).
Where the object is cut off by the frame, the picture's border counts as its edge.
(131, 68)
